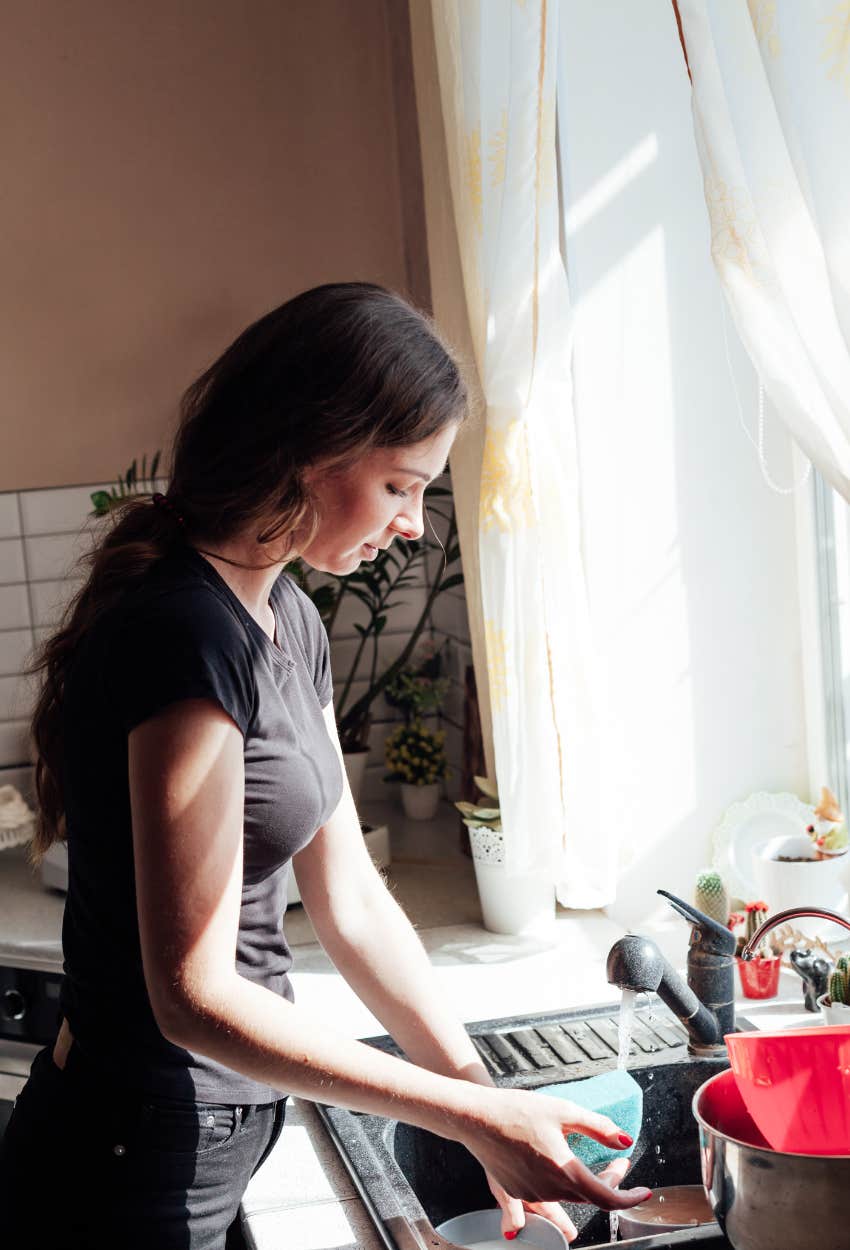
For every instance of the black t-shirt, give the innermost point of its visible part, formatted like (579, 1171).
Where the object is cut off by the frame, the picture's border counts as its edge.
(184, 634)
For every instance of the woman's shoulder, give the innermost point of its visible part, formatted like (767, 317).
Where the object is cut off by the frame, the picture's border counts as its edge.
(293, 599)
(177, 594)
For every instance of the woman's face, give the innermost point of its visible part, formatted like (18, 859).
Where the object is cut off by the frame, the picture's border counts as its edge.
(363, 508)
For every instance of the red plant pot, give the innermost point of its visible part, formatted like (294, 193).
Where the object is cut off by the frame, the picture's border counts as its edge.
(760, 976)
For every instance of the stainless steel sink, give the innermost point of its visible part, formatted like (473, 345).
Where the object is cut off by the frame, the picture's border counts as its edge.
(411, 1180)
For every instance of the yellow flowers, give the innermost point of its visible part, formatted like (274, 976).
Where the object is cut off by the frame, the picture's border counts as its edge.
(416, 755)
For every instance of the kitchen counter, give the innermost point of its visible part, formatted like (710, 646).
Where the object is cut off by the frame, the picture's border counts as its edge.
(30, 916)
(303, 1195)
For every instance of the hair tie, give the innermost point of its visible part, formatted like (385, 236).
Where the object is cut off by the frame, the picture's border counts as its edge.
(165, 505)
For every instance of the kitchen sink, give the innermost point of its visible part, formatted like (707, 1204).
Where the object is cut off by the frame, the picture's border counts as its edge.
(411, 1180)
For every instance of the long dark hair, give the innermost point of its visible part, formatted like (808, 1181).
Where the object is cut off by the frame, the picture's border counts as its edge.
(328, 376)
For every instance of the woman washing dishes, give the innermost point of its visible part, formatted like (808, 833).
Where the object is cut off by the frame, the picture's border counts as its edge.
(186, 747)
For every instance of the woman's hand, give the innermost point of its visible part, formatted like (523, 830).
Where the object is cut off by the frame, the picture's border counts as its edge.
(513, 1209)
(519, 1138)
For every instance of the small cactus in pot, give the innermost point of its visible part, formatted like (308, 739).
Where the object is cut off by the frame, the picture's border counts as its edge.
(710, 896)
(835, 1003)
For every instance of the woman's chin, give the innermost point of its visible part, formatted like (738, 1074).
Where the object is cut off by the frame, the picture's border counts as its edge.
(336, 566)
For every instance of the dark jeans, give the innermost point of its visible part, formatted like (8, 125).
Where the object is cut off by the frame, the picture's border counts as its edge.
(86, 1164)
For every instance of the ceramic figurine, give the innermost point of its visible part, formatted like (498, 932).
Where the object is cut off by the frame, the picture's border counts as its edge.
(814, 970)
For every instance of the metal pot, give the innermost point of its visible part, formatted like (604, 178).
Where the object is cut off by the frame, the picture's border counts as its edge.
(763, 1199)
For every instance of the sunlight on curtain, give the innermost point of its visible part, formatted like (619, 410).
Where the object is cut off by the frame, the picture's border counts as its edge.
(771, 104)
(497, 70)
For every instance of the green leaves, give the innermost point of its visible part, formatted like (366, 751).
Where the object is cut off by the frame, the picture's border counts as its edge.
(133, 481)
(381, 586)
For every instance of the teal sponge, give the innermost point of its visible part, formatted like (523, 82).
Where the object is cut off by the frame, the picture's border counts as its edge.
(615, 1094)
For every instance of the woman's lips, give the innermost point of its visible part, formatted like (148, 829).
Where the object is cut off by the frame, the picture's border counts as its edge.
(371, 551)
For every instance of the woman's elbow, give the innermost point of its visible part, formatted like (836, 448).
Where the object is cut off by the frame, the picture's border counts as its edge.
(181, 1010)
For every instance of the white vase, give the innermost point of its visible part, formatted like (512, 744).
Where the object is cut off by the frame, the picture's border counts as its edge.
(834, 1013)
(355, 767)
(420, 802)
(807, 882)
(520, 904)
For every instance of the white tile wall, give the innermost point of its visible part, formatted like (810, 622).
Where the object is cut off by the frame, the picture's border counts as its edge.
(61, 511)
(14, 606)
(15, 648)
(10, 515)
(53, 556)
(50, 598)
(42, 534)
(11, 561)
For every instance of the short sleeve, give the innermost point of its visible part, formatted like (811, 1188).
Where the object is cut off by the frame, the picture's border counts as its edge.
(187, 644)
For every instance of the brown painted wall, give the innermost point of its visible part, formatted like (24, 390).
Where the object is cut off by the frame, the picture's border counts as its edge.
(171, 171)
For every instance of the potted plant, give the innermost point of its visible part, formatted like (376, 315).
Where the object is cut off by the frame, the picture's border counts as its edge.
(807, 868)
(134, 481)
(513, 903)
(379, 586)
(416, 757)
(835, 1003)
(760, 974)
(419, 690)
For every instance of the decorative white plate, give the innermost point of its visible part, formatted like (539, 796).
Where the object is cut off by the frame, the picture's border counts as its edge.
(749, 825)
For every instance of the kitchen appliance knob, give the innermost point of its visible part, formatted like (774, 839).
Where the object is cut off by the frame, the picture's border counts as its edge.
(13, 1005)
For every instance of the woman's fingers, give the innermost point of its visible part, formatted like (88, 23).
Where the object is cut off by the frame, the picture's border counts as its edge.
(513, 1212)
(601, 1128)
(513, 1215)
(593, 1189)
(616, 1170)
(556, 1214)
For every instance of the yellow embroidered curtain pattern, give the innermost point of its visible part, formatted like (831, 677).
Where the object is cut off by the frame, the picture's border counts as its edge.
(497, 71)
(771, 105)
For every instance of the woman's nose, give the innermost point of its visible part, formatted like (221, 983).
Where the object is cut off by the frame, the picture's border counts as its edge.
(409, 524)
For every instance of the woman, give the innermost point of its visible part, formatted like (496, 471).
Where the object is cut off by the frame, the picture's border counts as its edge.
(186, 745)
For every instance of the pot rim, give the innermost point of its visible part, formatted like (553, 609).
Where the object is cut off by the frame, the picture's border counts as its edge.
(736, 1141)
(821, 1003)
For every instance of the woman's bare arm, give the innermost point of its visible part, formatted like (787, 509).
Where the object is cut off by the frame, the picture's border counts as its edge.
(375, 947)
(186, 791)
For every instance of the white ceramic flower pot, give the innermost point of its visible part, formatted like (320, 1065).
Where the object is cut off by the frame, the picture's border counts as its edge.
(520, 904)
(517, 904)
(834, 1013)
(420, 802)
(808, 882)
(355, 767)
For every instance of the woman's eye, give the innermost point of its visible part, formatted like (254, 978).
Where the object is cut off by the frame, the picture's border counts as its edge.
(402, 494)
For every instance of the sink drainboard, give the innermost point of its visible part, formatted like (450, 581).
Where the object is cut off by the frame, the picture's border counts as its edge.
(411, 1181)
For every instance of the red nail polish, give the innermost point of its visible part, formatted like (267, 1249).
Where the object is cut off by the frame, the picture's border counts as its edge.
(625, 1140)
(510, 1236)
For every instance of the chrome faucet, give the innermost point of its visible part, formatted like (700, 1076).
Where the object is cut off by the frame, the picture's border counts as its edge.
(706, 1005)
(792, 913)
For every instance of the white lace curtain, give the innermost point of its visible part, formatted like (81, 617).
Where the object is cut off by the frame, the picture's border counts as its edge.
(771, 105)
(497, 72)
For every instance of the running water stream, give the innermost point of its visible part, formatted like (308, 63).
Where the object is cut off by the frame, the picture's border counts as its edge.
(624, 1038)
